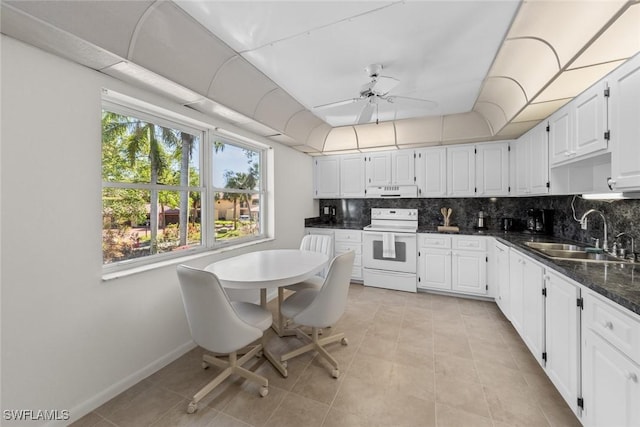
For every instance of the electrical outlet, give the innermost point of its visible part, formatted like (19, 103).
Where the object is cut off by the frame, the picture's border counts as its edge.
(583, 224)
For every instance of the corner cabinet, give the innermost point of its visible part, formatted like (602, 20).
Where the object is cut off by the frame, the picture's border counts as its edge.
(456, 264)
(624, 103)
(326, 177)
(579, 129)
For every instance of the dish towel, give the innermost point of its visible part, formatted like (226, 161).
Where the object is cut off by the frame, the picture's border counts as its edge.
(388, 245)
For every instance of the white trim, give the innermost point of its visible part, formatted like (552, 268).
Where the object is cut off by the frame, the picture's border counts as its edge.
(113, 390)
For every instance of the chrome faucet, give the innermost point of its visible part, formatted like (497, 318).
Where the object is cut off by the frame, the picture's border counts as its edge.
(633, 245)
(605, 244)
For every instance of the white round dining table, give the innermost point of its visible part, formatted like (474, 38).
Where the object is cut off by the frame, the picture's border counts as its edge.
(268, 269)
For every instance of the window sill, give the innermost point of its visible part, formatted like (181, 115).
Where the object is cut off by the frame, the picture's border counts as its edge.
(106, 277)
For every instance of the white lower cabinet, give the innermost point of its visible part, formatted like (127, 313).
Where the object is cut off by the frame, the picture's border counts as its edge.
(610, 364)
(562, 332)
(350, 240)
(501, 277)
(526, 283)
(452, 263)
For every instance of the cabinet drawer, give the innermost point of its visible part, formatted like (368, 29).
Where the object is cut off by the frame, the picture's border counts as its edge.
(469, 243)
(621, 330)
(434, 241)
(342, 247)
(348, 235)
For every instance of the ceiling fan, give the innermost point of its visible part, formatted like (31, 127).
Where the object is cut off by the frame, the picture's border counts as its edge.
(377, 89)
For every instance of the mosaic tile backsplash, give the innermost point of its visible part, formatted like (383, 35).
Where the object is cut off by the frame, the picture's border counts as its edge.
(622, 215)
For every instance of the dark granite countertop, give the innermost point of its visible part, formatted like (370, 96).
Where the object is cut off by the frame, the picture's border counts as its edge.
(619, 282)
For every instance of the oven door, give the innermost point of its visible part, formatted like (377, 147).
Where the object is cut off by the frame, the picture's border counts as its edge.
(375, 256)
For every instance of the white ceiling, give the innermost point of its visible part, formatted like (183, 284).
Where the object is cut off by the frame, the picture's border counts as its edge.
(494, 68)
(317, 51)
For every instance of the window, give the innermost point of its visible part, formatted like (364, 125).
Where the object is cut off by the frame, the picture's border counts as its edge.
(159, 173)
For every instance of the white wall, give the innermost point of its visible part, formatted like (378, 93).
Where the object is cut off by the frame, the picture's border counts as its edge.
(70, 340)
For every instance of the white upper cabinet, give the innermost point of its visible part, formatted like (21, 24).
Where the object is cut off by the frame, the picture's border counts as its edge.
(560, 136)
(538, 153)
(431, 172)
(579, 128)
(403, 167)
(625, 126)
(492, 169)
(461, 171)
(326, 176)
(378, 169)
(352, 176)
(390, 168)
(530, 163)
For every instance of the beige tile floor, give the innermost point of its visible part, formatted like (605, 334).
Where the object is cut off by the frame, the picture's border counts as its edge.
(412, 360)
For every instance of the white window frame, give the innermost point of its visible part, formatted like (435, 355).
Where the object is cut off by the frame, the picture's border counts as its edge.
(122, 104)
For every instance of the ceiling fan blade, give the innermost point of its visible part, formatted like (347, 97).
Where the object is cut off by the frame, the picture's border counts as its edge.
(384, 84)
(336, 104)
(366, 113)
(424, 103)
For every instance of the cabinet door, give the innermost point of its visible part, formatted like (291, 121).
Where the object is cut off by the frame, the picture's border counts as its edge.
(461, 171)
(561, 333)
(379, 168)
(403, 167)
(533, 307)
(560, 136)
(625, 126)
(469, 272)
(327, 177)
(590, 120)
(352, 179)
(537, 160)
(516, 289)
(434, 270)
(610, 385)
(431, 172)
(492, 169)
(520, 152)
(502, 278)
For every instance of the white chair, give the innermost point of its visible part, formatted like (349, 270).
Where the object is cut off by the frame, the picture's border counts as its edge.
(320, 309)
(311, 242)
(222, 327)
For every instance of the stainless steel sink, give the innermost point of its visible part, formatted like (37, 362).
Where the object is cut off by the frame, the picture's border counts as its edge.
(572, 252)
(554, 246)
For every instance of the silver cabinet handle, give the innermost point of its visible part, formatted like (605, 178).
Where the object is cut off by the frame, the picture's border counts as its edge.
(632, 376)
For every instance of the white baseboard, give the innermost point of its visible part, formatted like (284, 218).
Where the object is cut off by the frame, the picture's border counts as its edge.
(112, 391)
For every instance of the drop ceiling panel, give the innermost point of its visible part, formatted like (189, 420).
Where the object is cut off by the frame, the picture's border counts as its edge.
(317, 51)
(240, 86)
(514, 61)
(318, 136)
(341, 138)
(108, 24)
(504, 92)
(565, 25)
(571, 83)
(169, 42)
(465, 127)
(301, 124)
(621, 40)
(426, 130)
(276, 108)
(376, 135)
(539, 111)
